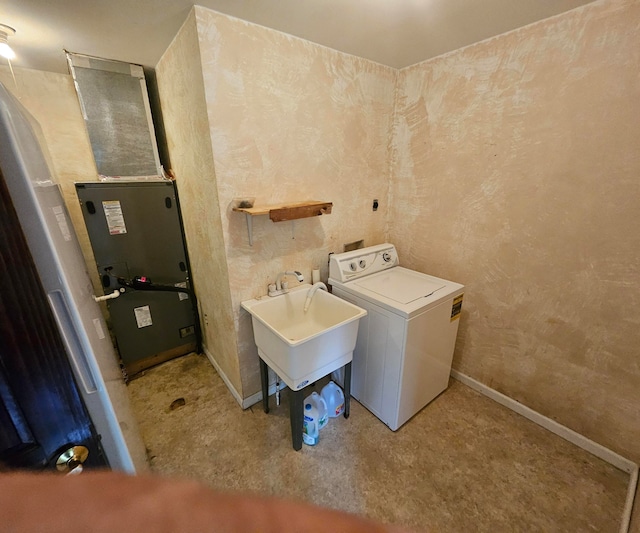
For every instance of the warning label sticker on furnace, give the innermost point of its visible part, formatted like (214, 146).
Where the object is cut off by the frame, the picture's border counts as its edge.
(182, 295)
(114, 216)
(143, 316)
(456, 308)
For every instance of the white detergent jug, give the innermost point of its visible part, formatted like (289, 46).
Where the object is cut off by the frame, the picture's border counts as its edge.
(334, 397)
(318, 402)
(310, 425)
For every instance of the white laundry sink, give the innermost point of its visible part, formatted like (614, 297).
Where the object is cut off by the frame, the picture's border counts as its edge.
(301, 347)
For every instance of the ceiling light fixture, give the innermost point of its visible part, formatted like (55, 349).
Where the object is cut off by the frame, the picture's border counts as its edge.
(5, 49)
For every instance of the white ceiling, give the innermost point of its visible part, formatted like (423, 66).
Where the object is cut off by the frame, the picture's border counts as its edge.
(397, 33)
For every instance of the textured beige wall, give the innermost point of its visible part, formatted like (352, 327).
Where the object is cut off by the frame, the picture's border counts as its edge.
(184, 109)
(516, 172)
(52, 100)
(291, 121)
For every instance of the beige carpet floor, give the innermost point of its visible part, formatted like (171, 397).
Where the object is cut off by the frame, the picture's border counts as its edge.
(464, 463)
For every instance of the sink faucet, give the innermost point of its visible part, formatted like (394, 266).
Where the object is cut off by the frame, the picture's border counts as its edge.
(281, 288)
(287, 273)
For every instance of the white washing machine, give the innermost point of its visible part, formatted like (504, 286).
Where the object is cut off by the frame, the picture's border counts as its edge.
(402, 358)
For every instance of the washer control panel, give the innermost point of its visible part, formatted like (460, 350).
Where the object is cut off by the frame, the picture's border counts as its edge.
(362, 262)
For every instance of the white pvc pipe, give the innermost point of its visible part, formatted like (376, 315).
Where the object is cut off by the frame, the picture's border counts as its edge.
(111, 296)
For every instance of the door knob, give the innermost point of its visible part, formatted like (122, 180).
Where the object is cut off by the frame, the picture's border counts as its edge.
(70, 461)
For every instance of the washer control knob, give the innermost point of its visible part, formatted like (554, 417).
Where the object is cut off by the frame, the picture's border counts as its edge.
(362, 263)
(353, 267)
(386, 256)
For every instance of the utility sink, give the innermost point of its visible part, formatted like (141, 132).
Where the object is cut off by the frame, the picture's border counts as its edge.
(302, 347)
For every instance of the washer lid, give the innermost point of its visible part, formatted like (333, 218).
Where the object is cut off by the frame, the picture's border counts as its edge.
(400, 285)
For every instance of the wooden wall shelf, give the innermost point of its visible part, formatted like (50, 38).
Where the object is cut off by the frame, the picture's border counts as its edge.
(283, 212)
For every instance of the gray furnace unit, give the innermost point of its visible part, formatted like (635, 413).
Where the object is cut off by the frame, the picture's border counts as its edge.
(137, 240)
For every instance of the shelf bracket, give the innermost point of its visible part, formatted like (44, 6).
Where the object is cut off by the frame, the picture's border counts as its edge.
(284, 212)
(249, 219)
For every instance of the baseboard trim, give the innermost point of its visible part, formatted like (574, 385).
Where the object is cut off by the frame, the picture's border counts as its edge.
(227, 381)
(573, 437)
(254, 399)
(245, 403)
(257, 397)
